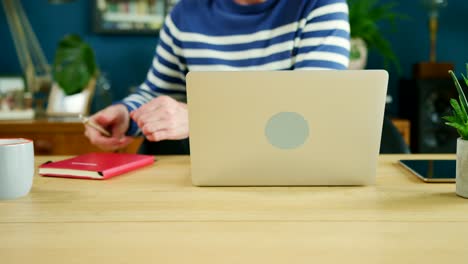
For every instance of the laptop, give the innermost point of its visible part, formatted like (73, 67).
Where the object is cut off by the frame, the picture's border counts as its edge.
(285, 128)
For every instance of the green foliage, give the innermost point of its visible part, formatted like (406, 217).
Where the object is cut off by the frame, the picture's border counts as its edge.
(74, 64)
(459, 117)
(365, 18)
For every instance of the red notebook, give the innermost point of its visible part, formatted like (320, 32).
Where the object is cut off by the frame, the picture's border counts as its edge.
(98, 166)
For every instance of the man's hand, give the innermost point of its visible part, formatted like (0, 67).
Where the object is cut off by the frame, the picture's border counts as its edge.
(114, 119)
(162, 118)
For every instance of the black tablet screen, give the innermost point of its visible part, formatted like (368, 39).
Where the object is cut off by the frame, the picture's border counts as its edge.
(432, 169)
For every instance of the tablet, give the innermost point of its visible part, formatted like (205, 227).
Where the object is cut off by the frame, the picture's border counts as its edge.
(432, 170)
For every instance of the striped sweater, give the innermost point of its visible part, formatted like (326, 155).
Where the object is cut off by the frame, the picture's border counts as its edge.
(213, 35)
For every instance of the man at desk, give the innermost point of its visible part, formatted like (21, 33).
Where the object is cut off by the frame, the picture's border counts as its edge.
(213, 35)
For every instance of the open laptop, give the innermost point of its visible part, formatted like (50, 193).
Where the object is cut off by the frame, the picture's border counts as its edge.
(251, 128)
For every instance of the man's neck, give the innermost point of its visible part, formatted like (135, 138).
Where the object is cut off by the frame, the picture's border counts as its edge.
(249, 2)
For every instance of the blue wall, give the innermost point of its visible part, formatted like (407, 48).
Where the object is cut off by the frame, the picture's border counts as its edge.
(410, 41)
(123, 58)
(126, 58)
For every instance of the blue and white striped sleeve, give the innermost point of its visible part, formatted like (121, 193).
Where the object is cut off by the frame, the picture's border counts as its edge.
(324, 43)
(166, 75)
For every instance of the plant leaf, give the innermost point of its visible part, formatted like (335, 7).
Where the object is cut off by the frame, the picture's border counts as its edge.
(464, 78)
(74, 64)
(450, 119)
(459, 89)
(461, 129)
(463, 111)
(458, 111)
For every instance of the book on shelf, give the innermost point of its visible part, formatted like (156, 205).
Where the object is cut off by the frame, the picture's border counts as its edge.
(97, 166)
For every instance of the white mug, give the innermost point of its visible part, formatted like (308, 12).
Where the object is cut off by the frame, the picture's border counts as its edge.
(16, 167)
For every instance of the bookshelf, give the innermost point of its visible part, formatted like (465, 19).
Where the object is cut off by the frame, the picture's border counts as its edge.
(130, 16)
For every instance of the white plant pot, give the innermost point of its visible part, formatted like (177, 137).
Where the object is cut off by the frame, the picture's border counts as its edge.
(358, 54)
(462, 168)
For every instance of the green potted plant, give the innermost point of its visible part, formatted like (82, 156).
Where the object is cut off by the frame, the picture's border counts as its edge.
(74, 65)
(459, 120)
(75, 73)
(365, 18)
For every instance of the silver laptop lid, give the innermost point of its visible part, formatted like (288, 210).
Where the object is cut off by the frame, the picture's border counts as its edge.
(285, 127)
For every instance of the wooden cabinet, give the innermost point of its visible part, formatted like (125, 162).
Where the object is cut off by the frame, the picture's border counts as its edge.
(55, 136)
(424, 102)
(404, 127)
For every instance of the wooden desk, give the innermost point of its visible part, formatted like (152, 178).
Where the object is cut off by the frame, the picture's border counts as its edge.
(60, 136)
(155, 215)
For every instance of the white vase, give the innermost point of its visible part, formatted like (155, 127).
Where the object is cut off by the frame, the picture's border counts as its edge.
(462, 168)
(358, 54)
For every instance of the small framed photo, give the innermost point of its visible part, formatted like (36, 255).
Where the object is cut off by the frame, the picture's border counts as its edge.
(15, 101)
(130, 16)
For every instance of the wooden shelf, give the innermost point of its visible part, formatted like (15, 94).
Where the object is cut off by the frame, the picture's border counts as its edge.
(55, 136)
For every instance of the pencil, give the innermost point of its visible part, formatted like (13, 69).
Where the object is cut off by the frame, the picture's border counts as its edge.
(90, 123)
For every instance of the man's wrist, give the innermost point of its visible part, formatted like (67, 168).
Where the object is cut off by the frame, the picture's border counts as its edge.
(132, 129)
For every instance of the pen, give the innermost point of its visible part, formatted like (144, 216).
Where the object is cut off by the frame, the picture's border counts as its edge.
(90, 123)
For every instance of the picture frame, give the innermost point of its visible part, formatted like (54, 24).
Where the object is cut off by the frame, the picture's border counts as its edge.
(60, 104)
(130, 16)
(15, 101)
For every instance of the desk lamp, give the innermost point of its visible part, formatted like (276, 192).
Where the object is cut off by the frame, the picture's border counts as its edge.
(33, 63)
(433, 68)
(433, 7)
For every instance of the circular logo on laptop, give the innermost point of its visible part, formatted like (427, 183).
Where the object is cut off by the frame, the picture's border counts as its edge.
(287, 130)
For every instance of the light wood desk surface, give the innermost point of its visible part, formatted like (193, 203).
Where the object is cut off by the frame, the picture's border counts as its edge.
(155, 215)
